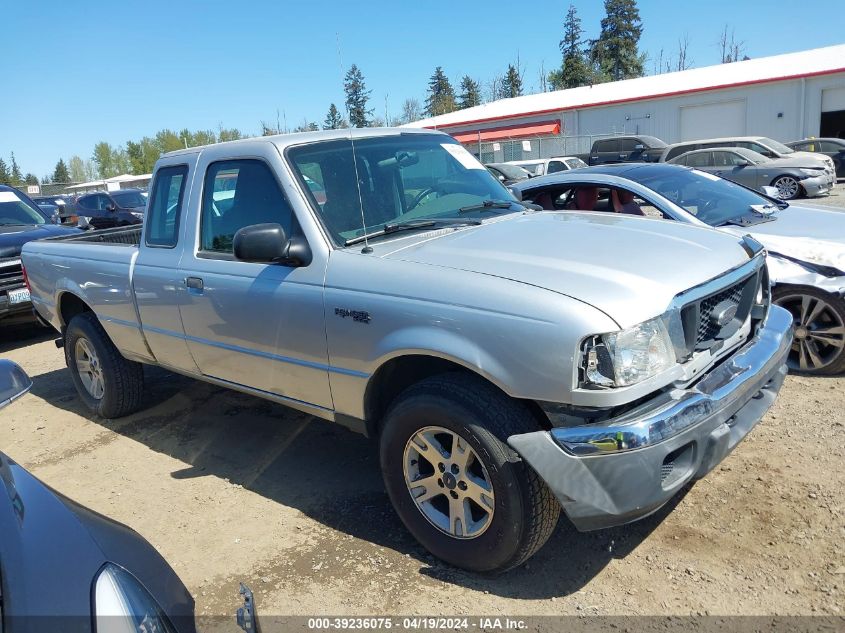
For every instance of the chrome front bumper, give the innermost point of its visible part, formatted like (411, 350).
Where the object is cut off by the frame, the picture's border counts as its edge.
(614, 472)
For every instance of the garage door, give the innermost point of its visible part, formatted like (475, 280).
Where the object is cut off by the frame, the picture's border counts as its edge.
(712, 120)
(833, 99)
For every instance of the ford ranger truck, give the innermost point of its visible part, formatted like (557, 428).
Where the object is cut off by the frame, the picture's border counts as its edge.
(511, 363)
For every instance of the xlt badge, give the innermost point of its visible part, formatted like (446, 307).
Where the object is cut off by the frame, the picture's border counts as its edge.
(360, 316)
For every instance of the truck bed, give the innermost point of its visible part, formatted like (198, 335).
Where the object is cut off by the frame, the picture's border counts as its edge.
(123, 235)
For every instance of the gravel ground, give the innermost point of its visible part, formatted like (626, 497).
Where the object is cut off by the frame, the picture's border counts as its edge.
(230, 488)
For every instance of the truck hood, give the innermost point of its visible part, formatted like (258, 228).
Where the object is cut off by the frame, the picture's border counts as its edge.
(806, 233)
(13, 237)
(628, 267)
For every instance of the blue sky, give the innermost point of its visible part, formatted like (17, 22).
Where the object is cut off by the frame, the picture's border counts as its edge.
(75, 73)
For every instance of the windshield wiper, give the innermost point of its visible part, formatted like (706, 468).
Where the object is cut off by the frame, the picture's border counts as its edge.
(488, 205)
(387, 229)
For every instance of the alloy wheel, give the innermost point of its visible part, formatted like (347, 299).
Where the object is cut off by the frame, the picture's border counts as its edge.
(787, 187)
(89, 368)
(819, 336)
(448, 482)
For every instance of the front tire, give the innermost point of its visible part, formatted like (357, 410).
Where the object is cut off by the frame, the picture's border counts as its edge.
(788, 187)
(109, 385)
(818, 345)
(463, 493)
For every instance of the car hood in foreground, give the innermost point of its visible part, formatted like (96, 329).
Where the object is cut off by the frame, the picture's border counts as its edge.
(51, 549)
(13, 237)
(629, 267)
(807, 233)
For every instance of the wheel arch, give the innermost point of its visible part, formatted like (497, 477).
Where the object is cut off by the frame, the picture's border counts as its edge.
(68, 305)
(400, 372)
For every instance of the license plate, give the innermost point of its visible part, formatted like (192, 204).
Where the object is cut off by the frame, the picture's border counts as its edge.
(18, 296)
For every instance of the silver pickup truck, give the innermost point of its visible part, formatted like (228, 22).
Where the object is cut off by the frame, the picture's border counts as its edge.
(510, 362)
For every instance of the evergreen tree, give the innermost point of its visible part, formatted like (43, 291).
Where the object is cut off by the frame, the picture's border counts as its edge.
(31, 179)
(5, 176)
(60, 174)
(470, 93)
(15, 173)
(615, 52)
(333, 119)
(357, 96)
(45, 180)
(441, 95)
(512, 84)
(575, 70)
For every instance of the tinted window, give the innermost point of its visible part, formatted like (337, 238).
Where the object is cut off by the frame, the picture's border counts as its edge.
(677, 151)
(88, 202)
(239, 193)
(608, 145)
(555, 165)
(129, 199)
(628, 144)
(830, 146)
(805, 147)
(15, 210)
(699, 160)
(162, 223)
(727, 159)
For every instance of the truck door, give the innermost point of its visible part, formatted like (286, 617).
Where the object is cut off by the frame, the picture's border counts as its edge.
(254, 324)
(156, 281)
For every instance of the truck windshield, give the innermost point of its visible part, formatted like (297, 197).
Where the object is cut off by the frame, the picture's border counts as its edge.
(400, 178)
(14, 210)
(711, 199)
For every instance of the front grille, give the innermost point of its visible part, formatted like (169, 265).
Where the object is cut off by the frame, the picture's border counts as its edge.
(11, 275)
(702, 329)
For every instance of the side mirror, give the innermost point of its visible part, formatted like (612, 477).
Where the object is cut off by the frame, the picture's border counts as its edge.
(13, 382)
(111, 207)
(501, 179)
(268, 243)
(516, 193)
(772, 192)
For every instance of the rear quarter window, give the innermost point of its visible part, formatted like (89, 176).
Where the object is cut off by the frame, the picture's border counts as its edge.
(165, 207)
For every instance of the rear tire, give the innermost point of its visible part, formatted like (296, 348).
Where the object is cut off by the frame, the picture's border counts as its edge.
(506, 511)
(108, 384)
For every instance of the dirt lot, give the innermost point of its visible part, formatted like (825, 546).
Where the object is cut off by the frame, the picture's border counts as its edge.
(231, 488)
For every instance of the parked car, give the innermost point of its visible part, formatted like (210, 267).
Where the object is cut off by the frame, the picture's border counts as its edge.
(509, 362)
(624, 149)
(21, 221)
(834, 148)
(57, 207)
(541, 166)
(67, 568)
(508, 174)
(806, 246)
(768, 147)
(755, 171)
(109, 209)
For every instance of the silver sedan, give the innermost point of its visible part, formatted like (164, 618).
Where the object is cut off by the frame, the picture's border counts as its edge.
(791, 177)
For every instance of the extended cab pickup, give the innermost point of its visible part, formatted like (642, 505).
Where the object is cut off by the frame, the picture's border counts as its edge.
(625, 149)
(510, 362)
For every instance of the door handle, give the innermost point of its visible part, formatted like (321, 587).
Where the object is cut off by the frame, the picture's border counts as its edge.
(194, 283)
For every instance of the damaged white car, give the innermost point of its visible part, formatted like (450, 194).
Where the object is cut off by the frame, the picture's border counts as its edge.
(806, 244)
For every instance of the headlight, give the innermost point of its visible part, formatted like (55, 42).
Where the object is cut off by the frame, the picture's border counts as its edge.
(137, 214)
(623, 358)
(122, 605)
(812, 172)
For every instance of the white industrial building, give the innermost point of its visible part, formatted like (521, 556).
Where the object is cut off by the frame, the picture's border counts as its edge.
(785, 97)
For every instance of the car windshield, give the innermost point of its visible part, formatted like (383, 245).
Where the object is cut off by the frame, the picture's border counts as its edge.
(129, 199)
(14, 210)
(575, 163)
(514, 172)
(394, 179)
(780, 148)
(711, 199)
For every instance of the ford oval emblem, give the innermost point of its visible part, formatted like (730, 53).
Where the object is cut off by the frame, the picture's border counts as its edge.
(723, 313)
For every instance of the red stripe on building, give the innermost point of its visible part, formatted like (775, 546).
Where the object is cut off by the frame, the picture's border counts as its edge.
(510, 131)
